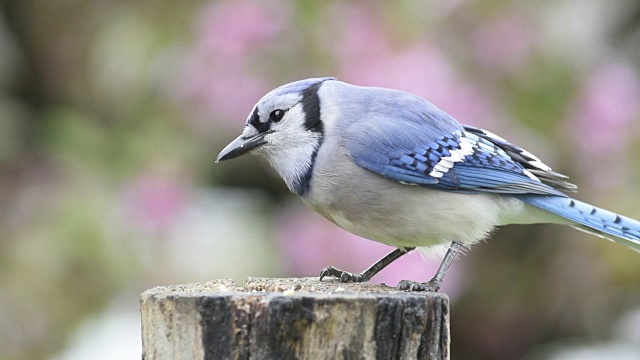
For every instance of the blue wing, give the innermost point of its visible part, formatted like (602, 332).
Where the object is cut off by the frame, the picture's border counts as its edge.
(449, 157)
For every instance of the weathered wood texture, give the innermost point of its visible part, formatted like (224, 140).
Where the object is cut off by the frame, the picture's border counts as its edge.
(292, 319)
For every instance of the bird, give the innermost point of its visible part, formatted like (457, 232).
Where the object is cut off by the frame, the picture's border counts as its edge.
(391, 167)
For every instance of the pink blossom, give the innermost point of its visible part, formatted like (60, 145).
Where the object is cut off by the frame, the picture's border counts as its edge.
(217, 83)
(607, 108)
(154, 201)
(219, 92)
(366, 57)
(504, 44)
(232, 29)
(359, 33)
(604, 120)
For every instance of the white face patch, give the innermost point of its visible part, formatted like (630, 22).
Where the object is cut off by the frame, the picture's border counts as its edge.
(292, 135)
(292, 122)
(457, 155)
(283, 102)
(289, 149)
(249, 131)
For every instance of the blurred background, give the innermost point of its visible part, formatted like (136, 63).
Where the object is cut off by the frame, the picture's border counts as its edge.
(112, 113)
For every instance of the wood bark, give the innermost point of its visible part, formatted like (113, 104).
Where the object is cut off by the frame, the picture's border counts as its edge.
(292, 318)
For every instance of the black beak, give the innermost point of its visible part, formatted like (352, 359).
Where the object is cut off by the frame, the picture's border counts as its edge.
(241, 146)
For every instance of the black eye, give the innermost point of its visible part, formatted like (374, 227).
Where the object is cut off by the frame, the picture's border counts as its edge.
(276, 115)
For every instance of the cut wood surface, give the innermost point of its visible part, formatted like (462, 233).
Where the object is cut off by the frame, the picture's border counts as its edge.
(292, 318)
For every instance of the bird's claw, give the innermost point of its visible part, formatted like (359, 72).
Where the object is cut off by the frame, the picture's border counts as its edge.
(344, 276)
(431, 286)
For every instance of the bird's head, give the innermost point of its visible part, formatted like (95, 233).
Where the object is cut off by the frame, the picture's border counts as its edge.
(285, 127)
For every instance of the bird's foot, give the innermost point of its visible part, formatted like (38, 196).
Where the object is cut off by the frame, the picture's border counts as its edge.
(431, 286)
(344, 276)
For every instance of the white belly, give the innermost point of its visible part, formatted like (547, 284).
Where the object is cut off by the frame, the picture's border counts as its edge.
(378, 209)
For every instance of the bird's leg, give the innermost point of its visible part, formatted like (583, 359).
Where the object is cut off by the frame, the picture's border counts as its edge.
(367, 274)
(434, 284)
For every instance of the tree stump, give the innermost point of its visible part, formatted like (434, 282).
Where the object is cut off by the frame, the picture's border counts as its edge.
(292, 318)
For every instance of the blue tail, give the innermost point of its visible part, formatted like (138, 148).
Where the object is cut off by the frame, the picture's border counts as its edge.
(591, 219)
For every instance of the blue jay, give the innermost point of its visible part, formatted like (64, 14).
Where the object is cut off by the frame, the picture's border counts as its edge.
(392, 167)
